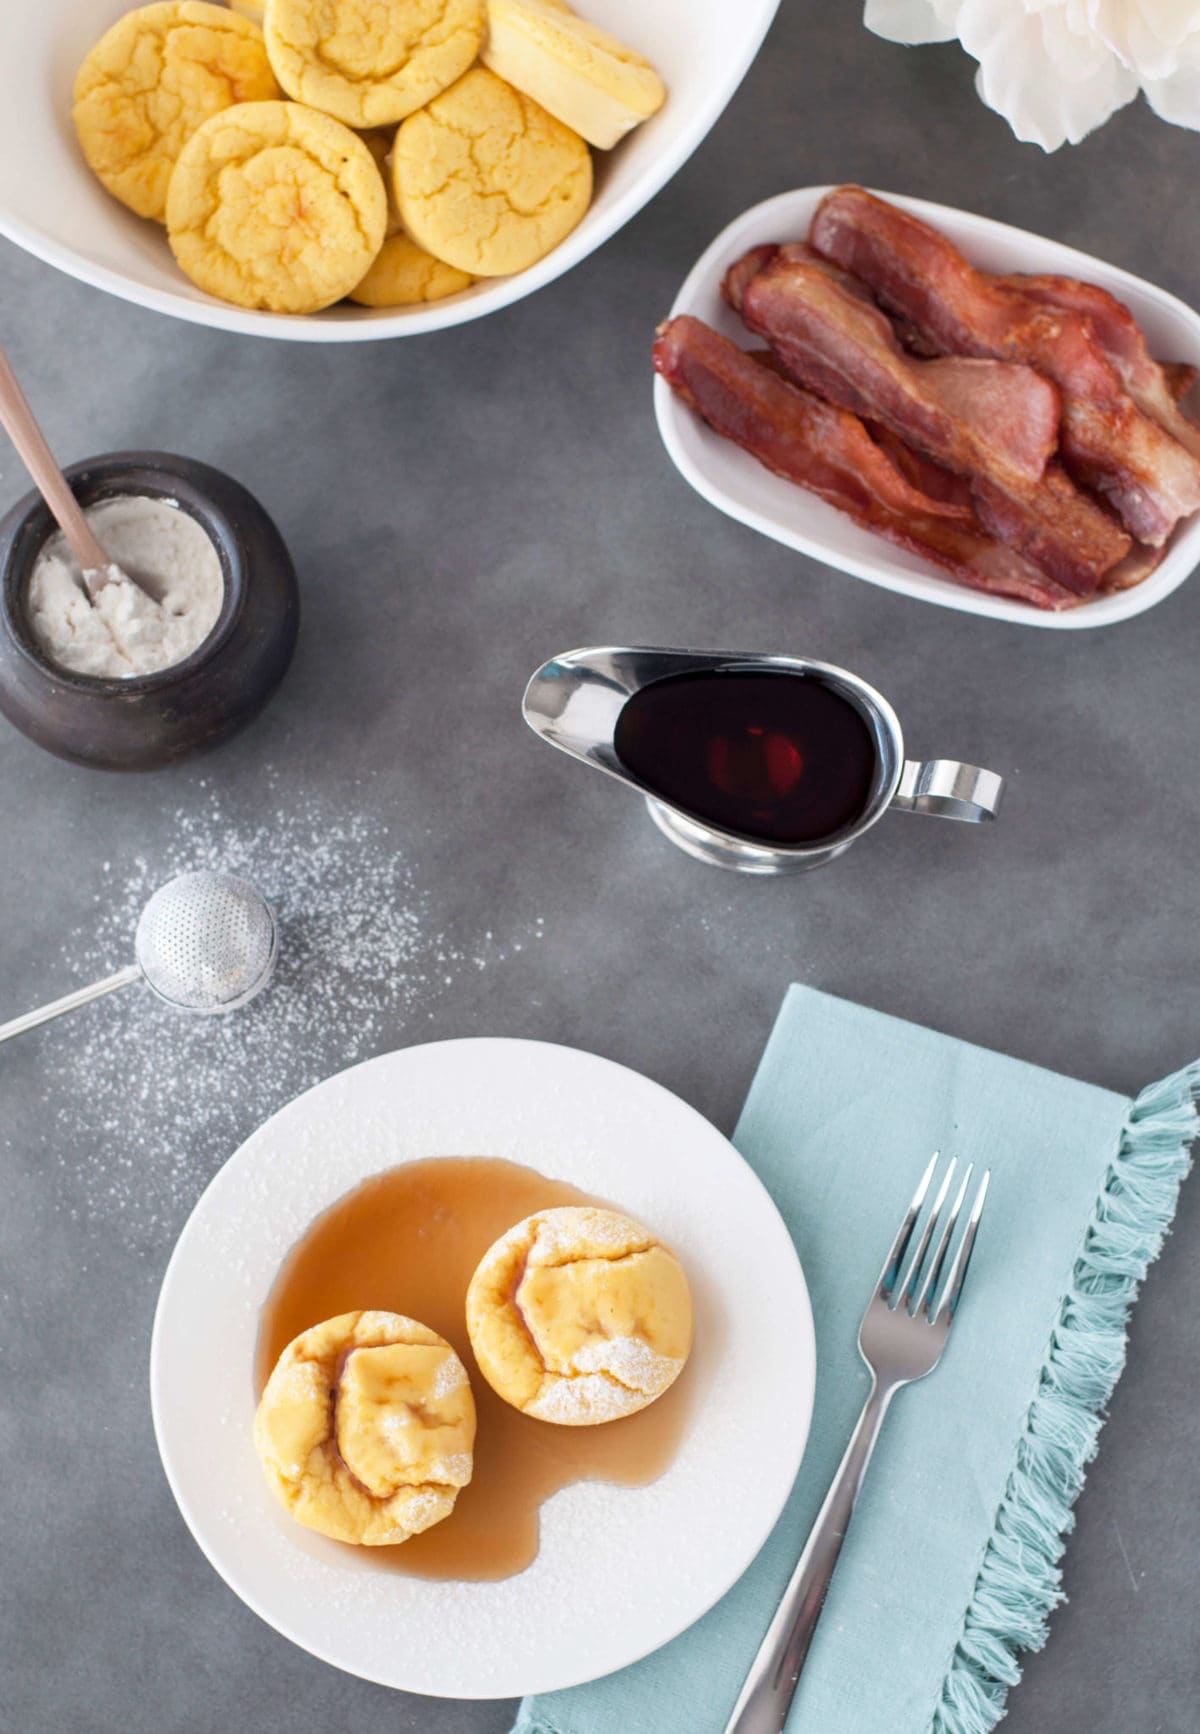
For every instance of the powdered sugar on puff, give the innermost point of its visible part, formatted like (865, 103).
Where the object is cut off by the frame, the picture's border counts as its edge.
(560, 1233)
(630, 1361)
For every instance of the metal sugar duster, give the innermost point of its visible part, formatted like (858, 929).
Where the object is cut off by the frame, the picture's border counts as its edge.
(205, 942)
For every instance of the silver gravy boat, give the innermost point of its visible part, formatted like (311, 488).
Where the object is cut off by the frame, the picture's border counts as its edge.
(573, 701)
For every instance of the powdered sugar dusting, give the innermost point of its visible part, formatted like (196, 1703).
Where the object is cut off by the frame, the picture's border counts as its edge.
(564, 1234)
(581, 1401)
(449, 1377)
(604, 1379)
(420, 1509)
(630, 1360)
(456, 1469)
(154, 1099)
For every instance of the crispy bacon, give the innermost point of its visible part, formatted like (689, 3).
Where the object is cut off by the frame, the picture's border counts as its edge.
(932, 478)
(1108, 442)
(928, 477)
(1180, 377)
(1004, 416)
(734, 282)
(1148, 383)
(1133, 569)
(741, 273)
(828, 451)
(993, 422)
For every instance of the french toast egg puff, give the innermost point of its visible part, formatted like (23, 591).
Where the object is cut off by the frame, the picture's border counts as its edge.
(366, 1428)
(151, 81)
(579, 1315)
(275, 206)
(371, 62)
(404, 275)
(486, 179)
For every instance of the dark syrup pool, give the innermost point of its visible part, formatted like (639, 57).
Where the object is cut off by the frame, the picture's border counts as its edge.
(775, 757)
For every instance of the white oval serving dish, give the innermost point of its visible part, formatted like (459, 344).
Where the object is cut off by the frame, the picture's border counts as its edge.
(736, 484)
(620, 1570)
(51, 205)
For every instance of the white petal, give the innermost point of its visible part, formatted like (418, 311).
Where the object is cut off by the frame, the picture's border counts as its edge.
(912, 21)
(1052, 84)
(1177, 98)
(1147, 35)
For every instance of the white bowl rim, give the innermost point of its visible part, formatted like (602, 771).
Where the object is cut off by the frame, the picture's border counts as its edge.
(672, 415)
(438, 315)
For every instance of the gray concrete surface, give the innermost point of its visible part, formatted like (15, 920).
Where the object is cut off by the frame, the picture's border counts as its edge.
(461, 506)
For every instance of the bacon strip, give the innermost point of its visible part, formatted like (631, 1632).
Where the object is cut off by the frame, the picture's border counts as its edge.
(929, 478)
(993, 422)
(829, 452)
(933, 480)
(1148, 383)
(1134, 569)
(1180, 377)
(1108, 442)
(1010, 414)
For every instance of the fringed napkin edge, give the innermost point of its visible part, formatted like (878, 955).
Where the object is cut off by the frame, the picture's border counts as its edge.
(1020, 1581)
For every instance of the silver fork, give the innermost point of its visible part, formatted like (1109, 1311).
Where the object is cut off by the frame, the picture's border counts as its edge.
(901, 1338)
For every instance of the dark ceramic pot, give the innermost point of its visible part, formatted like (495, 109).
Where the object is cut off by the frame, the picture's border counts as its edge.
(153, 719)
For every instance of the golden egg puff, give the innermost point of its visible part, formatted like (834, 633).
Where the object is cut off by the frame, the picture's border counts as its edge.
(579, 1315)
(151, 80)
(486, 180)
(275, 206)
(368, 63)
(366, 1428)
(405, 275)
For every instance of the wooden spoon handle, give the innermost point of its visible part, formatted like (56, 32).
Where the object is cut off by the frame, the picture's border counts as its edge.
(17, 420)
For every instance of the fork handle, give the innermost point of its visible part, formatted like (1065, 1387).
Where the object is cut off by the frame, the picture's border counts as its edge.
(766, 1696)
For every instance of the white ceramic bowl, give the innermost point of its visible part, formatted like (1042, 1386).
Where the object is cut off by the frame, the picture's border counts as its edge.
(619, 1570)
(51, 204)
(737, 484)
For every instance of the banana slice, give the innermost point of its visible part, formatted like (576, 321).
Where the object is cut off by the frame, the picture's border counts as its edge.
(579, 73)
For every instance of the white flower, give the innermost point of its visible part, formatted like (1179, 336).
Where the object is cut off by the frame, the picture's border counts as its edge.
(1056, 69)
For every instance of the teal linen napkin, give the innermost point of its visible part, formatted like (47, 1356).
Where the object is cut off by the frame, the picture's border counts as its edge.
(951, 1564)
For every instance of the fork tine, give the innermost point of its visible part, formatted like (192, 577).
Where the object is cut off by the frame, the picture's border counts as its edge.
(933, 1275)
(918, 1257)
(887, 1276)
(962, 1258)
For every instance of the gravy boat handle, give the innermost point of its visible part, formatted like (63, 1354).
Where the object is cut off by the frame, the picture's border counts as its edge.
(948, 790)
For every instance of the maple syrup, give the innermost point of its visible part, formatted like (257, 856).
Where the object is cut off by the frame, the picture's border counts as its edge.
(771, 756)
(408, 1241)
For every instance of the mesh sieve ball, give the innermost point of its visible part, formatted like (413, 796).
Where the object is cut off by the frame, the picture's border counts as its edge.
(206, 942)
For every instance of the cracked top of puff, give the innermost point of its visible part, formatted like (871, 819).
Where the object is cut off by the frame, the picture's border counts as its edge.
(579, 1315)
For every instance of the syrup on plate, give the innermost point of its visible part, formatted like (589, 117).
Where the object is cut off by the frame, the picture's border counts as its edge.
(767, 755)
(408, 1241)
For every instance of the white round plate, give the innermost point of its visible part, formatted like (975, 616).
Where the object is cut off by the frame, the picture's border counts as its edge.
(620, 1570)
(738, 485)
(51, 205)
